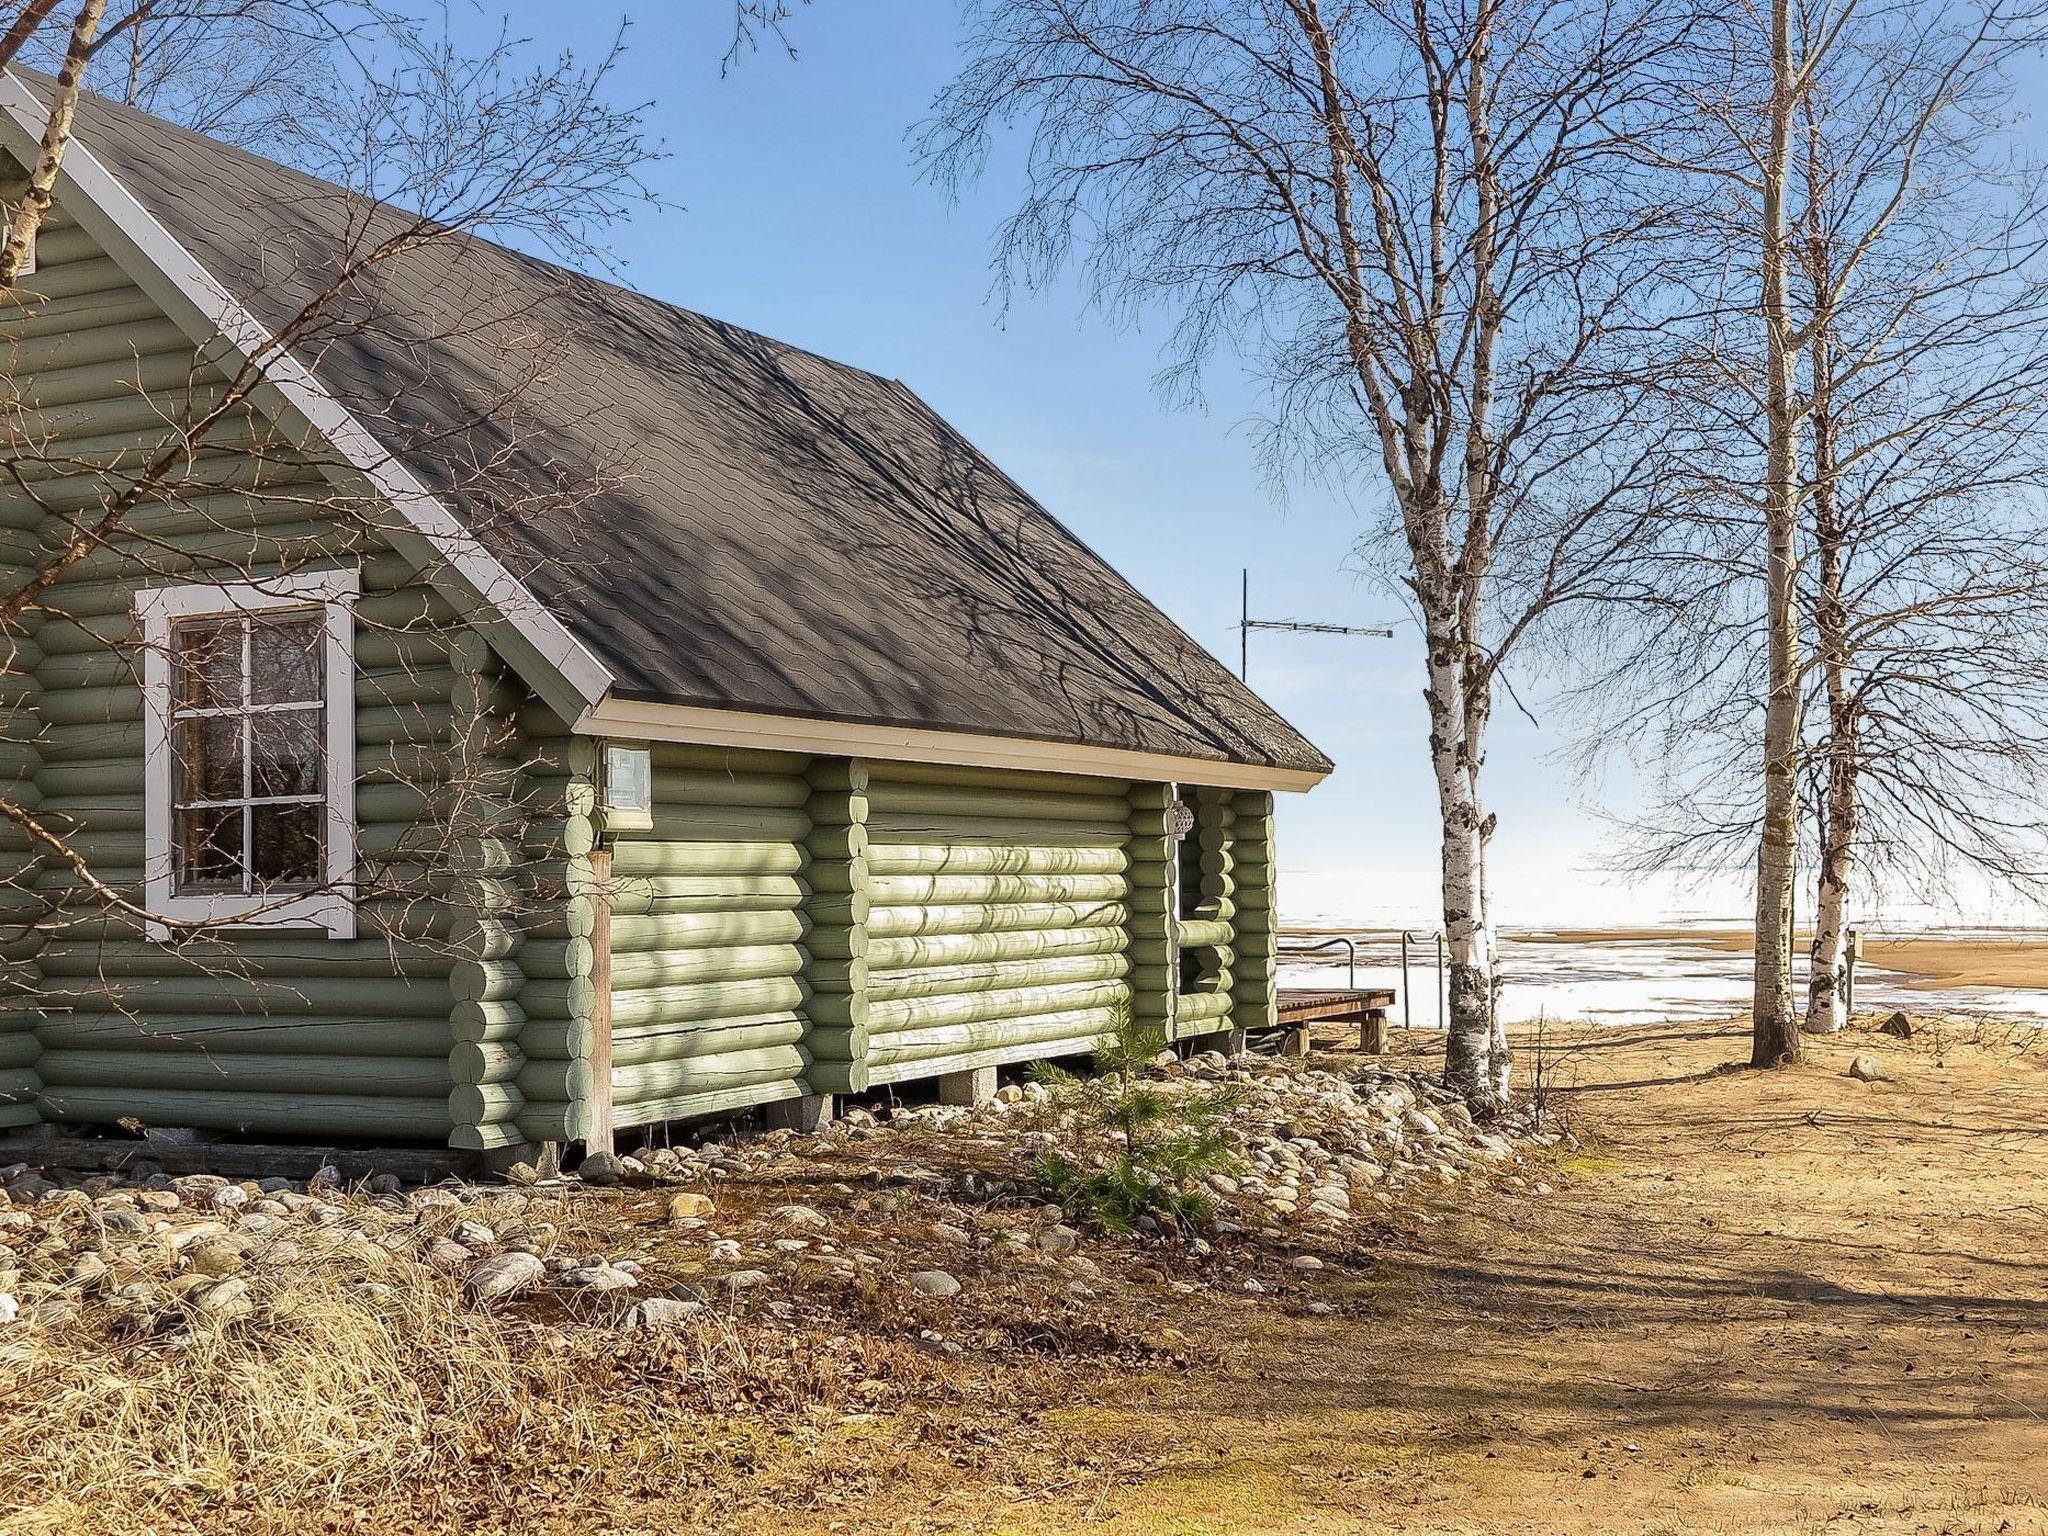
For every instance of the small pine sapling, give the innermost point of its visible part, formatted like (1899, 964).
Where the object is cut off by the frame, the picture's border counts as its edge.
(1134, 1148)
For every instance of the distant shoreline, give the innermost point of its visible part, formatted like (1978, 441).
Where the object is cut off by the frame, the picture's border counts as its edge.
(1927, 960)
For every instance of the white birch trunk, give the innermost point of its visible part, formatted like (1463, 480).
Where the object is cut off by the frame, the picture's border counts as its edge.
(1475, 1053)
(1775, 1037)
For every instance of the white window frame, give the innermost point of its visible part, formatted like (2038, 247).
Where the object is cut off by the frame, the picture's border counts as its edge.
(332, 906)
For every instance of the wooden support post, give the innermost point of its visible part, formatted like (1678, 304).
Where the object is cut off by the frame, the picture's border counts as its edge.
(1372, 1032)
(1294, 1042)
(811, 1112)
(976, 1085)
(597, 1134)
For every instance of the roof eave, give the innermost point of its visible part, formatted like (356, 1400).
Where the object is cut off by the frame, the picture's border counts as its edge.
(644, 720)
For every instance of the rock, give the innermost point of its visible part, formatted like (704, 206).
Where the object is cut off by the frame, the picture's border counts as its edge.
(934, 1282)
(502, 1275)
(10, 1309)
(1058, 1239)
(691, 1207)
(602, 1169)
(525, 1175)
(216, 1256)
(659, 1312)
(225, 1299)
(473, 1235)
(596, 1277)
(1868, 1069)
(744, 1279)
(385, 1184)
(447, 1256)
(1305, 1263)
(1898, 1026)
(801, 1217)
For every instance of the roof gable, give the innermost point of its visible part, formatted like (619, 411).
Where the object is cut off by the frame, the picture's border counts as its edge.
(714, 519)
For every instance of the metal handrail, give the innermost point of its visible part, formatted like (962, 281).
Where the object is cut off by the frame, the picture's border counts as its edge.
(1351, 948)
(1407, 993)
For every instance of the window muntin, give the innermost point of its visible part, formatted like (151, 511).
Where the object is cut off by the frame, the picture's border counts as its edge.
(247, 729)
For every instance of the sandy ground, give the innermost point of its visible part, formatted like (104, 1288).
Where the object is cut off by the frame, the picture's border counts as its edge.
(1780, 1302)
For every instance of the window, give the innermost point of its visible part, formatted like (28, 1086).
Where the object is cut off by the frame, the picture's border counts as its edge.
(249, 733)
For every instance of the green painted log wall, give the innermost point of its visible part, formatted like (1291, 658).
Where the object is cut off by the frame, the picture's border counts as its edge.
(709, 933)
(999, 917)
(285, 1034)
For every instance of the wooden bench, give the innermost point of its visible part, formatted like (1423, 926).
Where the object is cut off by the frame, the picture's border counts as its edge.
(1366, 1007)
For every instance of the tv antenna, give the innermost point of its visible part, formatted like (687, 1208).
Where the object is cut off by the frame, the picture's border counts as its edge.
(1246, 624)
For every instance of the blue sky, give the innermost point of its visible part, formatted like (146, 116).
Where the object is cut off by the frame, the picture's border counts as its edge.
(798, 212)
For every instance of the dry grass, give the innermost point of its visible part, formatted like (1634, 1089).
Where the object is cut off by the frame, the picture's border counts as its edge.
(330, 1387)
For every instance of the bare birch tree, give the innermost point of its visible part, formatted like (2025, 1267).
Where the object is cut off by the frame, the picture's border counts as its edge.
(1418, 225)
(1898, 362)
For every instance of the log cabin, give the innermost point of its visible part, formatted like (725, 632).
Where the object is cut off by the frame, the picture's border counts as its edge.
(465, 703)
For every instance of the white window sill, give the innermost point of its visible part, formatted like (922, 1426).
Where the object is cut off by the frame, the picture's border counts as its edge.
(328, 912)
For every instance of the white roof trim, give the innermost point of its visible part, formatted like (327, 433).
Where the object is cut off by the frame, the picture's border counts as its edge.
(634, 720)
(214, 313)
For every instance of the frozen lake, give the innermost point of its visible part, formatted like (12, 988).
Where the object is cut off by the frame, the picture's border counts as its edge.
(1621, 978)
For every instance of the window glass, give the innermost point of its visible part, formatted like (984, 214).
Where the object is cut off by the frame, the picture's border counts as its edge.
(248, 740)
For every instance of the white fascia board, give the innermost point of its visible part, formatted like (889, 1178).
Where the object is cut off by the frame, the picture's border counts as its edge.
(210, 315)
(634, 720)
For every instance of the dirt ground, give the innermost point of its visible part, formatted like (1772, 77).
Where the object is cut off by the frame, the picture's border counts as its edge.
(1755, 1302)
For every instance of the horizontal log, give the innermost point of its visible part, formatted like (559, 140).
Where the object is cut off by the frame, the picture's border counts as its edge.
(19, 1085)
(316, 997)
(1192, 1007)
(300, 960)
(382, 1076)
(474, 1105)
(946, 890)
(903, 922)
(947, 980)
(19, 1045)
(1199, 932)
(660, 969)
(472, 1061)
(678, 790)
(895, 803)
(989, 1007)
(670, 1042)
(898, 856)
(1043, 1034)
(692, 1105)
(709, 1074)
(890, 955)
(546, 1121)
(751, 857)
(685, 756)
(671, 931)
(996, 831)
(647, 896)
(355, 1117)
(234, 1034)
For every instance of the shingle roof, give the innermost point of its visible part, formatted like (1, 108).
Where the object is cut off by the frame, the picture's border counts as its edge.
(723, 520)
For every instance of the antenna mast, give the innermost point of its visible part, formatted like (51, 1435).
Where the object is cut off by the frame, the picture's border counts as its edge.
(1246, 624)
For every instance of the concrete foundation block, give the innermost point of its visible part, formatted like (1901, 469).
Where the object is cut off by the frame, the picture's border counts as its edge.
(977, 1085)
(809, 1113)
